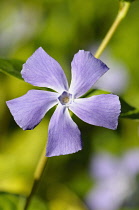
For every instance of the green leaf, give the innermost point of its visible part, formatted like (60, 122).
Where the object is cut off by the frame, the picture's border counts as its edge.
(128, 111)
(125, 107)
(11, 66)
(93, 92)
(134, 114)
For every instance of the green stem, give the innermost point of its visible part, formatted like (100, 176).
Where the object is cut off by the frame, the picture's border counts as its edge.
(124, 6)
(37, 176)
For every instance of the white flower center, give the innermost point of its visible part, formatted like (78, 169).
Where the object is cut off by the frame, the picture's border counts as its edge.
(65, 98)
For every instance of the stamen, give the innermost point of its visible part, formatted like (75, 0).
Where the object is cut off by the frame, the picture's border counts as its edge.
(65, 100)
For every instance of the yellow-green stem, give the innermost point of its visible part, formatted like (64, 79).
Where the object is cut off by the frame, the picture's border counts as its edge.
(37, 176)
(124, 6)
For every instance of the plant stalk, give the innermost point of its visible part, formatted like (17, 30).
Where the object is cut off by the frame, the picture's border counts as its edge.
(123, 9)
(37, 177)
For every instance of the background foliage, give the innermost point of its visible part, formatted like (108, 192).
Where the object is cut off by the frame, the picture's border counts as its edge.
(61, 27)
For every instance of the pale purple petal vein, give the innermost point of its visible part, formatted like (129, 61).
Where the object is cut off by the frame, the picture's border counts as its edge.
(100, 110)
(29, 109)
(86, 70)
(43, 71)
(64, 136)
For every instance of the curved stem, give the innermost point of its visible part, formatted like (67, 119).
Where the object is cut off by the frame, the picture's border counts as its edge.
(37, 176)
(124, 6)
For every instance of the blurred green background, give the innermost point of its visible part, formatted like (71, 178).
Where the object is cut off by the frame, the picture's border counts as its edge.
(61, 27)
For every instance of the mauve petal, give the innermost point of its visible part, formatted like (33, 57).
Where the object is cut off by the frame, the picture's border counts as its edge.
(64, 136)
(43, 71)
(130, 161)
(104, 166)
(101, 110)
(29, 109)
(86, 70)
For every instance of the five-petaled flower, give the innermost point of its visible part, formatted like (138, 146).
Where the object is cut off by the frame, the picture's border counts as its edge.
(43, 71)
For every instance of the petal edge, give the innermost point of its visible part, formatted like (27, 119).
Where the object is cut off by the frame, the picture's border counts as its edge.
(64, 136)
(100, 110)
(86, 70)
(29, 109)
(42, 70)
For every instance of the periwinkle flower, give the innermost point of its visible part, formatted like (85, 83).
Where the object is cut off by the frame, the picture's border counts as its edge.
(115, 180)
(130, 161)
(43, 71)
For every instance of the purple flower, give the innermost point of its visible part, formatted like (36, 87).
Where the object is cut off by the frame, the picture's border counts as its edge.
(130, 161)
(115, 180)
(43, 71)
